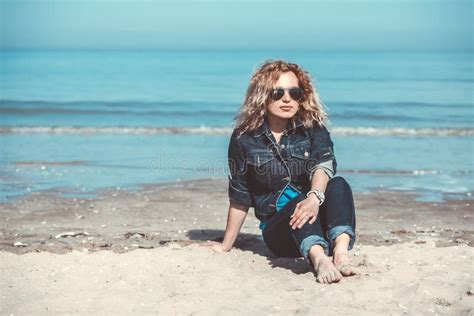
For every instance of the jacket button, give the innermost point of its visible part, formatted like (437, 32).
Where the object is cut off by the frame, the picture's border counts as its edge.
(282, 146)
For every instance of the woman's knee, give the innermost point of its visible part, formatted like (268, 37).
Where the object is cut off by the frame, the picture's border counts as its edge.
(338, 184)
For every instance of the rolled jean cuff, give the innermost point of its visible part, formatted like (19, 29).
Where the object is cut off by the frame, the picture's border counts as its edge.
(336, 231)
(310, 241)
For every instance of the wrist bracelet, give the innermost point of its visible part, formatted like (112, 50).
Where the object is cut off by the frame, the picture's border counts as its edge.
(319, 194)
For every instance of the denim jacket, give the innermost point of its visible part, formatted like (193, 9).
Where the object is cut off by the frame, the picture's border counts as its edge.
(260, 169)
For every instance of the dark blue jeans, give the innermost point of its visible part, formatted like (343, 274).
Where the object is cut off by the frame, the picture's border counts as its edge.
(336, 216)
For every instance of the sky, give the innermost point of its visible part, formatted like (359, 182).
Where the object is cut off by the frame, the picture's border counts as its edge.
(353, 25)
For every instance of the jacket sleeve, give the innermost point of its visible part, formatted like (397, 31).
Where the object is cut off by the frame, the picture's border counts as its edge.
(322, 152)
(238, 186)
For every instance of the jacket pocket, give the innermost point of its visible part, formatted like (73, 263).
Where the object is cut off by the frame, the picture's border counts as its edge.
(260, 157)
(301, 152)
(298, 163)
(261, 166)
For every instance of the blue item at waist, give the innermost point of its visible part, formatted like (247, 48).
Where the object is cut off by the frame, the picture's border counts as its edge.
(287, 195)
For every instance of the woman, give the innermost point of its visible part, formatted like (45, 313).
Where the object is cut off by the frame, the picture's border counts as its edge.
(282, 164)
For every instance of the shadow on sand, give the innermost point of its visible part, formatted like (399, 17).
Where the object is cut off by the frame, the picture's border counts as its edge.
(255, 244)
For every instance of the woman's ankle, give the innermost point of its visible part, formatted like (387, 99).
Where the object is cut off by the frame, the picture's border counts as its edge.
(316, 252)
(341, 244)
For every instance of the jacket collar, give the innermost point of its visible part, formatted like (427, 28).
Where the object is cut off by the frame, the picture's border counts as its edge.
(265, 128)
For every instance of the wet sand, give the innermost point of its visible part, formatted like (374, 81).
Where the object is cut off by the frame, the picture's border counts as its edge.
(138, 251)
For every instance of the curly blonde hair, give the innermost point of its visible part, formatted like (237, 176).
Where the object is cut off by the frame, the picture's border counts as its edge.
(254, 108)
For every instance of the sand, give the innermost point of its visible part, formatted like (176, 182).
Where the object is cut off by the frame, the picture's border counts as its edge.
(138, 252)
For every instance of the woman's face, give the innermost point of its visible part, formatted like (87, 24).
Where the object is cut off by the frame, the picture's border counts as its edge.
(286, 107)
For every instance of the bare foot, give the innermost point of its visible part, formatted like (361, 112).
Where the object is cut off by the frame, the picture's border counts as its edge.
(342, 262)
(326, 272)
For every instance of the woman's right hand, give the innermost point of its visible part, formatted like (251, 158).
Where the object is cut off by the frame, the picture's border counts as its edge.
(215, 245)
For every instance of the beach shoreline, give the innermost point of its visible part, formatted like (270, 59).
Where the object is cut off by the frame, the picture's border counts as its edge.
(195, 210)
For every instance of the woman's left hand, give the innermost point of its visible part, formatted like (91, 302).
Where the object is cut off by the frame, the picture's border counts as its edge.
(305, 210)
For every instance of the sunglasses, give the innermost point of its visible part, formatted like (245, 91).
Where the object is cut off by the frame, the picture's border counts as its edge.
(296, 93)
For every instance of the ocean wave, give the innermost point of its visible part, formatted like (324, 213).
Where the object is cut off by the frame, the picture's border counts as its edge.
(221, 168)
(134, 105)
(50, 163)
(210, 130)
(392, 172)
(401, 131)
(88, 130)
(71, 111)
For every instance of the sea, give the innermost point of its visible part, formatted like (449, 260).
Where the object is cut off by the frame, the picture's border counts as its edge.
(77, 121)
